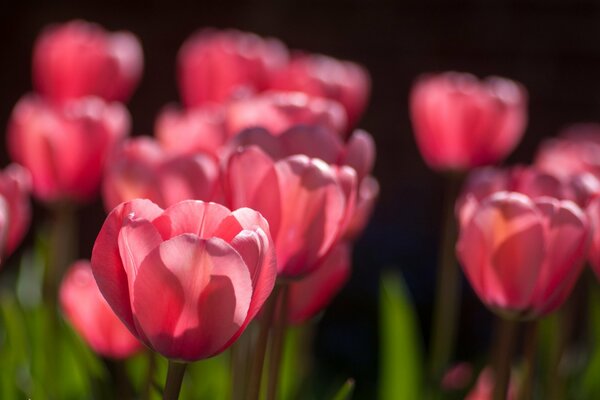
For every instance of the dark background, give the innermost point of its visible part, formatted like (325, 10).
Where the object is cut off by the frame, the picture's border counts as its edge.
(552, 47)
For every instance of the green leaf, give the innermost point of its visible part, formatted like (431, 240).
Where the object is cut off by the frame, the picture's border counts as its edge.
(401, 358)
(345, 392)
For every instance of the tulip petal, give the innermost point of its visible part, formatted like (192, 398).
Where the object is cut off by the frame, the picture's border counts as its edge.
(191, 216)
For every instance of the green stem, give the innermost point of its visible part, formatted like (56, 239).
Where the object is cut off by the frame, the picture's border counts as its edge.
(174, 379)
(147, 390)
(531, 341)
(505, 347)
(240, 357)
(266, 320)
(276, 349)
(446, 306)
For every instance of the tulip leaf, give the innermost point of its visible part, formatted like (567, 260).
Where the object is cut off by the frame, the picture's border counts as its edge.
(345, 392)
(401, 359)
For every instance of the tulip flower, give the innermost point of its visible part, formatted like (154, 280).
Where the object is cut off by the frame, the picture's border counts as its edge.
(593, 212)
(91, 316)
(346, 82)
(15, 185)
(79, 59)
(484, 387)
(216, 66)
(461, 123)
(140, 168)
(311, 294)
(522, 256)
(65, 147)
(279, 111)
(186, 280)
(191, 131)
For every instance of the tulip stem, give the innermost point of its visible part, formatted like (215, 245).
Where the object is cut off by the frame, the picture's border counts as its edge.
(277, 337)
(174, 379)
(443, 333)
(266, 320)
(147, 390)
(505, 346)
(531, 341)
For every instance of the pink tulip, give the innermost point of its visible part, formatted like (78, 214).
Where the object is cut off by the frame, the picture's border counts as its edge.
(191, 131)
(317, 142)
(15, 185)
(92, 317)
(311, 294)
(484, 388)
(279, 111)
(522, 256)
(140, 168)
(593, 212)
(215, 66)
(80, 59)
(306, 201)
(461, 123)
(457, 377)
(65, 147)
(345, 82)
(186, 280)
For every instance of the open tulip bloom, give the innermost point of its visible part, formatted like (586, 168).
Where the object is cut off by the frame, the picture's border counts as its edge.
(186, 280)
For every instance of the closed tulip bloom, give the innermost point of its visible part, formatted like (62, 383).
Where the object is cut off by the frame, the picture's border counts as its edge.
(461, 122)
(140, 168)
(216, 66)
(191, 131)
(279, 111)
(523, 256)
(80, 59)
(311, 294)
(15, 186)
(306, 201)
(92, 317)
(186, 280)
(346, 82)
(65, 147)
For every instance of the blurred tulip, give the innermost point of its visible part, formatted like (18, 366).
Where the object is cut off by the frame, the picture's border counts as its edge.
(140, 168)
(593, 212)
(313, 293)
(457, 377)
(279, 111)
(79, 58)
(461, 123)
(92, 317)
(186, 280)
(346, 82)
(15, 186)
(484, 388)
(191, 131)
(319, 143)
(522, 256)
(216, 66)
(306, 201)
(65, 147)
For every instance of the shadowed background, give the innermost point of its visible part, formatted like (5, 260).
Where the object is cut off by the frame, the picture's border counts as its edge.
(552, 47)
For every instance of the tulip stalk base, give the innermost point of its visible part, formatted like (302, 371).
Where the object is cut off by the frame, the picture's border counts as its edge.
(174, 379)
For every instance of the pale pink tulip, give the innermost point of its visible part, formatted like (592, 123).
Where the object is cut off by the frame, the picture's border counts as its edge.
(311, 294)
(279, 111)
(65, 147)
(191, 131)
(92, 317)
(523, 256)
(216, 66)
(461, 122)
(186, 280)
(15, 186)
(140, 168)
(78, 59)
(346, 82)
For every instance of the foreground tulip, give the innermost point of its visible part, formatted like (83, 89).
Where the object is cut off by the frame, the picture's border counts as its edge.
(215, 66)
(80, 59)
(279, 111)
(92, 317)
(65, 147)
(186, 280)
(461, 123)
(140, 168)
(522, 256)
(191, 131)
(343, 81)
(15, 185)
(310, 295)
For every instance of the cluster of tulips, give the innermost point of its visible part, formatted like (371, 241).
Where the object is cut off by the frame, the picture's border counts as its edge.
(245, 204)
